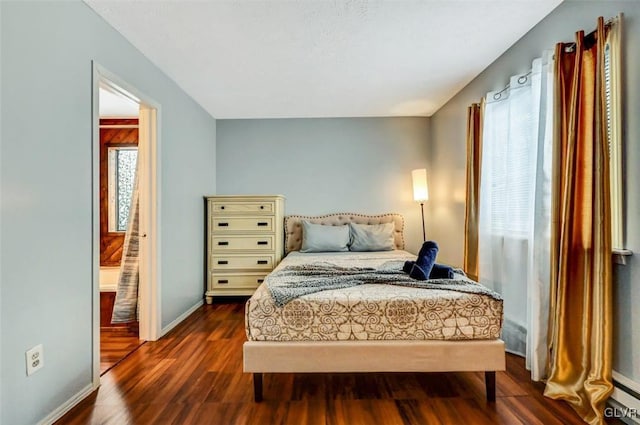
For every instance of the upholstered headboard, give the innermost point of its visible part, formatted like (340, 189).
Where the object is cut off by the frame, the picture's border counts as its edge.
(293, 226)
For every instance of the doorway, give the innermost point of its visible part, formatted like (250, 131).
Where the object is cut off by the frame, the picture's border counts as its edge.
(125, 199)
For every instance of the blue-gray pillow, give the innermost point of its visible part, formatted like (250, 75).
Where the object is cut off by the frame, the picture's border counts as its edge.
(320, 238)
(372, 237)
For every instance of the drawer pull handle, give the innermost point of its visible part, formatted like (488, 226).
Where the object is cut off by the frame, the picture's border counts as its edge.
(263, 243)
(222, 281)
(260, 280)
(222, 207)
(223, 262)
(223, 243)
(263, 223)
(263, 262)
(223, 224)
(261, 207)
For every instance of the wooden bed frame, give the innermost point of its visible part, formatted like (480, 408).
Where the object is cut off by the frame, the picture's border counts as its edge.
(261, 357)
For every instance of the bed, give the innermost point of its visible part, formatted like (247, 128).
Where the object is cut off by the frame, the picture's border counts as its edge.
(372, 327)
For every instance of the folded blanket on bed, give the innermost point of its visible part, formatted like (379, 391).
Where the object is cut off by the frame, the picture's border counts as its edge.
(439, 271)
(295, 281)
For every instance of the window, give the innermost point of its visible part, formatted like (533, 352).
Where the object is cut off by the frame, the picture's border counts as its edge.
(509, 160)
(514, 227)
(614, 134)
(122, 172)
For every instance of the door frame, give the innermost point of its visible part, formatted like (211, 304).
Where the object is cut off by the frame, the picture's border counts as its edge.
(150, 320)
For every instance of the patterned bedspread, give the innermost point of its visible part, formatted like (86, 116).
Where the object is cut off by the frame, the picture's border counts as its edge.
(371, 311)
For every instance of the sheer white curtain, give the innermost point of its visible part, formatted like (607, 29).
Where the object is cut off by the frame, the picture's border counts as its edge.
(515, 203)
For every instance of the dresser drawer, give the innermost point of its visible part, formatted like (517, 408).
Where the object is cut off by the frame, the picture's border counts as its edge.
(241, 224)
(266, 207)
(221, 280)
(238, 243)
(246, 262)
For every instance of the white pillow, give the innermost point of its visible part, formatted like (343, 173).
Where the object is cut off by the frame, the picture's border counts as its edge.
(372, 237)
(320, 238)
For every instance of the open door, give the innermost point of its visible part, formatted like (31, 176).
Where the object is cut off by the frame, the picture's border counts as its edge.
(149, 209)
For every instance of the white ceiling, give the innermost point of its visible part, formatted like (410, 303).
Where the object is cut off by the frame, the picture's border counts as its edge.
(306, 58)
(113, 105)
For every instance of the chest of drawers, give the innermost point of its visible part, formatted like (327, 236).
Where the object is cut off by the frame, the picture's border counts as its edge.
(244, 242)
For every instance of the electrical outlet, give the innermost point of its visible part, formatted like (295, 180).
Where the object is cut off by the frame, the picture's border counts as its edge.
(35, 359)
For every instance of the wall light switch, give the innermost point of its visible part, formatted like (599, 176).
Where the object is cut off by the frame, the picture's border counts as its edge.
(35, 359)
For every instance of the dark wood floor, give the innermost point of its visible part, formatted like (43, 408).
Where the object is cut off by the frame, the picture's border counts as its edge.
(194, 376)
(116, 344)
(117, 341)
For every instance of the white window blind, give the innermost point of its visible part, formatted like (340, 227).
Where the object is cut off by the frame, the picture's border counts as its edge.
(613, 112)
(508, 173)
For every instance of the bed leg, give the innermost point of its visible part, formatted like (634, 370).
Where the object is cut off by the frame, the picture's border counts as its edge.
(490, 384)
(257, 387)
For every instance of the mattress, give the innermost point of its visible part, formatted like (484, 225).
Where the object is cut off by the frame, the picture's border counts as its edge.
(372, 311)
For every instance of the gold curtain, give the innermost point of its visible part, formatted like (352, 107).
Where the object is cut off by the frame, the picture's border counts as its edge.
(474, 156)
(580, 333)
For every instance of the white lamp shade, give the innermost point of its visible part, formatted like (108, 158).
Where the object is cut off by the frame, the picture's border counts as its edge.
(420, 188)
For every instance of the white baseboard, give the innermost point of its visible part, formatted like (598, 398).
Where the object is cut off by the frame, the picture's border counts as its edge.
(629, 383)
(83, 393)
(68, 405)
(180, 318)
(630, 405)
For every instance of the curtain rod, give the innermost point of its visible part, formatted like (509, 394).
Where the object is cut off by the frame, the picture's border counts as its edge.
(498, 95)
(572, 45)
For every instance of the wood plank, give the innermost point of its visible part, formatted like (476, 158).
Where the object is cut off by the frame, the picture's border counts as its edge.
(115, 345)
(106, 308)
(118, 121)
(111, 242)
(194, 375)
(107, 300)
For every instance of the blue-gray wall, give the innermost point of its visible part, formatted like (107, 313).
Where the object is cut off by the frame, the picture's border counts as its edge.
(448, 161)
(45, 166)
(327, 165)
